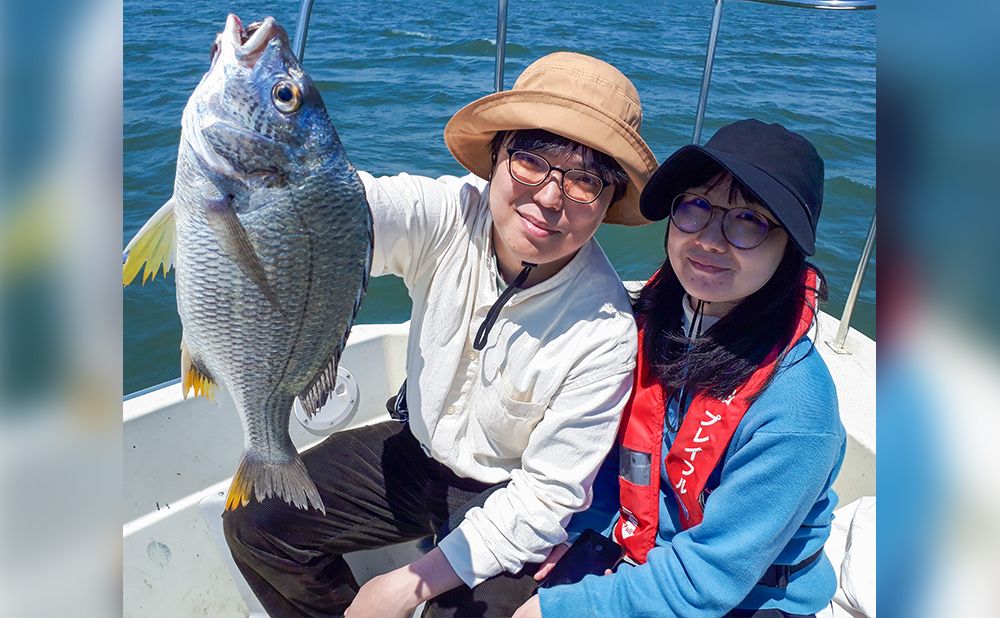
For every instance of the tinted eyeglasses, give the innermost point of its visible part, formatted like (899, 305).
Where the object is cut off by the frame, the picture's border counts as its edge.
(743, 228)
(531, 169)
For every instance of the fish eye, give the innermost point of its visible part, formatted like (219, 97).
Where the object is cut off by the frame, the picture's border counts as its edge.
(286, 96)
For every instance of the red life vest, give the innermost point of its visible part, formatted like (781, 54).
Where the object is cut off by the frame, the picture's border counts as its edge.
(701, 441)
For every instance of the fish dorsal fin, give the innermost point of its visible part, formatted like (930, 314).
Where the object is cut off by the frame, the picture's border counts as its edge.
(315, 395)
(319, 390)
(236, 244)
(194, 378)
(152, 246)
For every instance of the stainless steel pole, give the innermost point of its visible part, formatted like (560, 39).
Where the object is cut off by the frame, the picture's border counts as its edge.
(706, 78)
(823, 4)
(501, 44)
(302, 28)
(852, 298)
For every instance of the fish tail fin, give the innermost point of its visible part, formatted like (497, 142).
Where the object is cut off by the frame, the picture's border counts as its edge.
(261, 479)
(152, 247)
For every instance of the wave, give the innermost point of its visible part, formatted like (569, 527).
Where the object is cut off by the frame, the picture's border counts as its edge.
(855, 196)
(482, 47)
(406, 33)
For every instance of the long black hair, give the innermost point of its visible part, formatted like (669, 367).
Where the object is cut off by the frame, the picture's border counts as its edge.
(723, 358)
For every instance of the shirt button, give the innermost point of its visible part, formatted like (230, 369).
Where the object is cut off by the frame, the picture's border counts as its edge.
(451, 410)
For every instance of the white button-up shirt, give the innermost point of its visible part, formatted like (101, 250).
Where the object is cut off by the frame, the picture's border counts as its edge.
(539, 405)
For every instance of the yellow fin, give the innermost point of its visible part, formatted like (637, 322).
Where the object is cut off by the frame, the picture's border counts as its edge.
(193, 378)
(240, 488)
(236, 499)
(152, 247)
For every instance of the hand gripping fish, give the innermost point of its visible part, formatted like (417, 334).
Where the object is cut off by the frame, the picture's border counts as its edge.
(271, 236)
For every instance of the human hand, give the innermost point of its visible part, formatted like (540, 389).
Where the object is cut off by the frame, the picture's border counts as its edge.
(387, 596)
(550, 562)
(532, 608)
(397, 593)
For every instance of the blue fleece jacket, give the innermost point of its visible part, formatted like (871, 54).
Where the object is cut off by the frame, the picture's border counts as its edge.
(770, 503)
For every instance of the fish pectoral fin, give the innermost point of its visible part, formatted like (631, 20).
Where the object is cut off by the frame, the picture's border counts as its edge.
(235, 243)
(152, 246)
(194, 378)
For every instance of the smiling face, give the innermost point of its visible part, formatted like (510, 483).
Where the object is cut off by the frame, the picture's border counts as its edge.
(539, 224)
(713, 270)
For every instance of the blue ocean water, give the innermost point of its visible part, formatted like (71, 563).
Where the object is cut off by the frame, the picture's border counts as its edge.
(393, 72)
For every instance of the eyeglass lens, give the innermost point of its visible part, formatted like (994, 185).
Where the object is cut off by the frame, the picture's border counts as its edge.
(744, 228)
(578, 185)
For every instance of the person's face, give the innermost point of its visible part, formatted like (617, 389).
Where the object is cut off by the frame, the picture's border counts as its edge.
(713, 270)
(539, 224)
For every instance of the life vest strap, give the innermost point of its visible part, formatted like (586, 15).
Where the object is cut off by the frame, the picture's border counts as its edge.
(777, 575)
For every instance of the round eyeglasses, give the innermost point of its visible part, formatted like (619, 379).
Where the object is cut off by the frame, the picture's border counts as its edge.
(743, 228)
(531, 169)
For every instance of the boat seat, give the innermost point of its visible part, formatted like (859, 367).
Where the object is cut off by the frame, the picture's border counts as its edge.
(851, 550)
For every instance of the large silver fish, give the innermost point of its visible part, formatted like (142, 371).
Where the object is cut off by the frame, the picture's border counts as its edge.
(271, 236)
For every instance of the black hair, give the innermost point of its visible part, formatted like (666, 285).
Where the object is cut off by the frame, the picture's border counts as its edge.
(545, 142)
(724, 357)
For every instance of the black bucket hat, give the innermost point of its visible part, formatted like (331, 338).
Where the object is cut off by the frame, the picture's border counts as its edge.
(781, 168)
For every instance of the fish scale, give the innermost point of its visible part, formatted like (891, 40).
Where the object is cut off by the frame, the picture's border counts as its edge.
(272, 243)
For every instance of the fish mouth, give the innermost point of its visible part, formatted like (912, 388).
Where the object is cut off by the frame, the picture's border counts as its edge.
(248, 43)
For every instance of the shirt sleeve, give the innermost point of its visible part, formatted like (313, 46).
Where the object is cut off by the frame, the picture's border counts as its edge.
(766, 490)
(413, 218)
(602, 514)
(521, 522)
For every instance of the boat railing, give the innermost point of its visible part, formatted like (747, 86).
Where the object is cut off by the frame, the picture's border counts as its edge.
(838, 343)
(302, 29)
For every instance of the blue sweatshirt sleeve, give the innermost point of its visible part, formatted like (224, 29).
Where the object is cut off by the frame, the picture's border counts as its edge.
(768, 485)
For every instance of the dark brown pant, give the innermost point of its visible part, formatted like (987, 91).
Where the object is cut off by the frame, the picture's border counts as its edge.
(379, 488)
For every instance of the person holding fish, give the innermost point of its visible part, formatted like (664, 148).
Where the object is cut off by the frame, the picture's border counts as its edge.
(522, 341)
(720, 485)
(521, 351)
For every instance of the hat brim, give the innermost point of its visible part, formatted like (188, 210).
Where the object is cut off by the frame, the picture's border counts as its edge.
(469, 132)
(675, 174)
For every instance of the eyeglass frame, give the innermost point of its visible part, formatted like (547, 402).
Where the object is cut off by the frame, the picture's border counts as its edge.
(771, 225)
(562, 179)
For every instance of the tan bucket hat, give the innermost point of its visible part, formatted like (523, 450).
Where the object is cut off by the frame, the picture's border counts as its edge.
(576, 96)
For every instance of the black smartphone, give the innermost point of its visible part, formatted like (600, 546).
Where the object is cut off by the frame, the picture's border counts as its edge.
(591, 553)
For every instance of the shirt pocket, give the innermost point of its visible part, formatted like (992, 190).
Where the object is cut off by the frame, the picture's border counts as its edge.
(507, 422)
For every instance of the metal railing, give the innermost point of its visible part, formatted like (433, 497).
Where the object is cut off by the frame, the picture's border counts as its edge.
(302, 29)
(501, 44)
(837, 345)
(842, 5)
